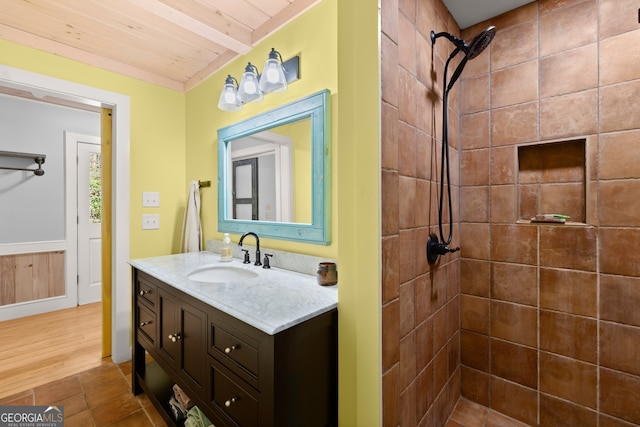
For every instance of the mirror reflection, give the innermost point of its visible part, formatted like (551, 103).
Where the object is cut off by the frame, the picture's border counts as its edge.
(274, 172)
(262, 170)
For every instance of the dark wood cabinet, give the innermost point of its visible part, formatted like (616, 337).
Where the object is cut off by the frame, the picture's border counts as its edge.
(237, 374)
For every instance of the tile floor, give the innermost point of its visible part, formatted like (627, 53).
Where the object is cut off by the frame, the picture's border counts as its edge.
(98, 397)
(470, 414)
(102, 397)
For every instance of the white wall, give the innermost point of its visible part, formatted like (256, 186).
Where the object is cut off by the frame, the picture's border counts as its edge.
(32, 208)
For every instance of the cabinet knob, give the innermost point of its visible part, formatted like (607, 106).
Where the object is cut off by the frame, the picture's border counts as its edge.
(229, 349)
(145, 323)
(174, 337)
(230, 402)
(144, 292)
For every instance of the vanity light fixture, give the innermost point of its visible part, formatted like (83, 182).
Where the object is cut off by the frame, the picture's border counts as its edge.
(249, 90)
(229, 100)
(275, 77)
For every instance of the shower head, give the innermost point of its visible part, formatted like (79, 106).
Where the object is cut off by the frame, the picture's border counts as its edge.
(473, 49)
(480, 42)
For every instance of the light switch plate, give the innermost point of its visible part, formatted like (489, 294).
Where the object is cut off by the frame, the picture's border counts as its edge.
(150, 199)
(150, 221)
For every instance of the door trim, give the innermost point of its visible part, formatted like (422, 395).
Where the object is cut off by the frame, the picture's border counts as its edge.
(120, 104)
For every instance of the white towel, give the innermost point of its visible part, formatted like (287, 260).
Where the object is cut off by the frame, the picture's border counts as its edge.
(192, 228)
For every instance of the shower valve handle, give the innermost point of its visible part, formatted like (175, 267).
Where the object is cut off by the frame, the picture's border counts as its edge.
(436, 248)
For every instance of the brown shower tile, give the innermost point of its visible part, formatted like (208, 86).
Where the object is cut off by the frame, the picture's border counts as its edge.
(470, 414)
(390, 334)
(407, 196)
(619, 57)
(568, 28)
(514, 363)
(514, 323)
(567, 198)
(474, 350)
(514, 124)
(569, 291)
(528, 199)
(389, 70)
(406, 150)
(407, 104)
(515, 45)
(514, 400)
(620, 203)
(425, 106)
(424, 344)
(475, 166)
(424, 298)
(503, 165)
(503, 204)
(423, 155)
(506, 20)
(613, 260)
(479, 65)
(618, 155)
(475, 385)
(425, 17)
(407, 253)
(390, 202)
(514, 85)
(620, 299)
(560, 413)
(474, 204)
(619, 395)
(423, 188)
(438, 287)
(440, 334)
(476, 240)
(474, 314)
(406, 43)
(440, 371)
(474, 131)
(569, 115)
(569, 335)
(612, 21)
(424, 391)
(453, 317)
(391, 397)
(568, 247)
(408, 406)
(389, 19)
(407, 360)
(607, 421)
(514, 243)
(388, 137)
(569, 379)
(407, 307)
(476, 94)
(496, 419)
(504, 287)
(424, 62)
(619, 347)
(474, 277)
(569, 71)
(561, 161)
(390, 268)
(616, 102)
(552, 5)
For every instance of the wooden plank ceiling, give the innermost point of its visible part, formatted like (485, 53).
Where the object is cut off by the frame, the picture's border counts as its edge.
(172, 43)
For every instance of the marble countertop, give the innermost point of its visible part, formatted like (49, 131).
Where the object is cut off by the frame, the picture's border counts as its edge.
(275, 300)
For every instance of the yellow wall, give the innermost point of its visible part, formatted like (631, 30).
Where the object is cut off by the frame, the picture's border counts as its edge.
(157, 140)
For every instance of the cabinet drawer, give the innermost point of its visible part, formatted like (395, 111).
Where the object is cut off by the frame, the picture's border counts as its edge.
(146, 291)
(236, 349)
(236, 399)
(146, 323)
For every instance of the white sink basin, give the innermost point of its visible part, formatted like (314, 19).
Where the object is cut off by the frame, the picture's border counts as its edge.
(221, 274)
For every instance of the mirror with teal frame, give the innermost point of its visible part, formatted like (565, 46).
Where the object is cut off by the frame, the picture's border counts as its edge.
(312, 226)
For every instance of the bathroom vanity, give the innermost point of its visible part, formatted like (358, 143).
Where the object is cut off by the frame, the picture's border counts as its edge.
(260, 351)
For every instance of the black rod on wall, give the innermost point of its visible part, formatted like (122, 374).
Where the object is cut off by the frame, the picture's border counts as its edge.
(38, 158)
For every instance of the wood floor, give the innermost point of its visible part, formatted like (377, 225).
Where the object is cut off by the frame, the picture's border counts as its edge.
(39, 349)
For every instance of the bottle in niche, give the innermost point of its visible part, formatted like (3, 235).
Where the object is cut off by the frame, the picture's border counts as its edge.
(226, 253)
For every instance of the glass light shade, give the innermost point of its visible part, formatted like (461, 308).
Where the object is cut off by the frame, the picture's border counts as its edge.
(249, 89)
(229, 100)
(273, 79)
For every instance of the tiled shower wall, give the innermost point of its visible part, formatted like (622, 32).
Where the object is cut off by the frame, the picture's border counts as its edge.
(420, 304)
(550, 314)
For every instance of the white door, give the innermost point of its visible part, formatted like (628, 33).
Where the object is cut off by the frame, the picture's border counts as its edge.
(89, 224)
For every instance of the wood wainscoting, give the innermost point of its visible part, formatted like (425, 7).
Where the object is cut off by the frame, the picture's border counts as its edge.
(30, 277)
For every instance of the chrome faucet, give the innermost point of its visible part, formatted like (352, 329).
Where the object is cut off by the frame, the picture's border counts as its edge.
(251, 233)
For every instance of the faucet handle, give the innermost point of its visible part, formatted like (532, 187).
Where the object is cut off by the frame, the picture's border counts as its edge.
(246, 256)
(266, 261)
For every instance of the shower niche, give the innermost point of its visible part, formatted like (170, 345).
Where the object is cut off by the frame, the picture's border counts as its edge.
(552, 179)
